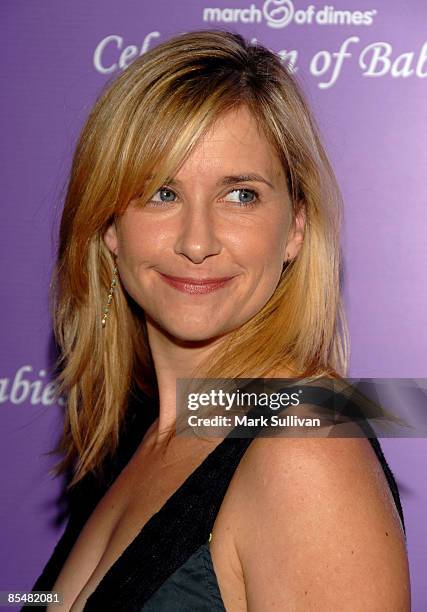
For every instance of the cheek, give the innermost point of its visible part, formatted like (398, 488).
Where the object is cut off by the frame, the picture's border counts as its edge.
(264, 243)
(137, 241)
(256, 240)
(134, 248)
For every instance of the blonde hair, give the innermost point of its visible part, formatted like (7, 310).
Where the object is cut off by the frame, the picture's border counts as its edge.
(139, 131)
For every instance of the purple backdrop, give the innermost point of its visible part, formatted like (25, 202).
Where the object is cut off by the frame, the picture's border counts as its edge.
(365, 74)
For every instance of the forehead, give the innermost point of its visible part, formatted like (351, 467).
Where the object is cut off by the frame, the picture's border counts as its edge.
(234, 141)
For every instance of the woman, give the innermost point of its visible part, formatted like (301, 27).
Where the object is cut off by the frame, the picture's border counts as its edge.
(200, 237)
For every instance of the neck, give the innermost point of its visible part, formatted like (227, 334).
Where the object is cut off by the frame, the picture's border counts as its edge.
(174, 359)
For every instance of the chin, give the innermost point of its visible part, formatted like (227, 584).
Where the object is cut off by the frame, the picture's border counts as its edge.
(196, 333)
(195, 336)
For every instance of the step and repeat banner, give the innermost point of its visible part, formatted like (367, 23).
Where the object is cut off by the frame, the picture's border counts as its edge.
(363, 67)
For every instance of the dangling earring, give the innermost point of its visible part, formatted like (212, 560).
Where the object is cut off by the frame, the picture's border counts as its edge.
(110, 296)
(286, 262)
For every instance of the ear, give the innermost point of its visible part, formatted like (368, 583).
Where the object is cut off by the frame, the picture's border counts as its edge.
(110, 238)
(296, 235)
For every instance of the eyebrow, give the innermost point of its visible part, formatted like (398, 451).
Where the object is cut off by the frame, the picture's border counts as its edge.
(232, 179)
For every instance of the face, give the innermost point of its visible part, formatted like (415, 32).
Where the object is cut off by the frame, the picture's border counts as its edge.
(225, 215)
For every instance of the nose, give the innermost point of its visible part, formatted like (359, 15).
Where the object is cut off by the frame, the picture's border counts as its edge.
(197, 237)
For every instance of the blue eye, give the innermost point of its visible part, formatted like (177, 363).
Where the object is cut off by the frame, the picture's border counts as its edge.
(243, 197)
(164, 191)
(246, 197)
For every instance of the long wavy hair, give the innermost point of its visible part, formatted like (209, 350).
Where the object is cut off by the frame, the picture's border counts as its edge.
(141, 128)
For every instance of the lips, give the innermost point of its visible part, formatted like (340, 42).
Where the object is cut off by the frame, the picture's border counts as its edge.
(196, 285)
(197, 281)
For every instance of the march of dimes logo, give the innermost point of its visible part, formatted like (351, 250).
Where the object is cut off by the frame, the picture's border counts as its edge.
(375, 59)
(280, 13)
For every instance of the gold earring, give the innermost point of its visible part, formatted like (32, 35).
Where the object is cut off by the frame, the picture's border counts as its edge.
(286, 263)
(110, 296)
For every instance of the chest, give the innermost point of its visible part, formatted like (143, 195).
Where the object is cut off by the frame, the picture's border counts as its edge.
(143, 489)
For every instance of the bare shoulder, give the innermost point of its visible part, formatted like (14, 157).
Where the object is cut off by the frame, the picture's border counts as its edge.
(318, 528)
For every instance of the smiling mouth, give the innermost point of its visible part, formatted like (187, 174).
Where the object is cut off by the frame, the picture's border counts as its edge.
(195, 285)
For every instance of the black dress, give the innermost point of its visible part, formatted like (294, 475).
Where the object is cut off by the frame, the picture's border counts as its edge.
(168, 566)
